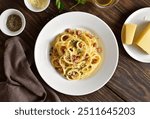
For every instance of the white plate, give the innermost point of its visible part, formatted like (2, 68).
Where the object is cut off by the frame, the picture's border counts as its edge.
(139, 17)
(76, 20)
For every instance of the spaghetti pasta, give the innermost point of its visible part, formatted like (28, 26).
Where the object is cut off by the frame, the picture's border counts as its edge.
(75, 54)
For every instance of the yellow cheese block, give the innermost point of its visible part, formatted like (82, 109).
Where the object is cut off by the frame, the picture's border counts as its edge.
(143, 40)
(129, 33)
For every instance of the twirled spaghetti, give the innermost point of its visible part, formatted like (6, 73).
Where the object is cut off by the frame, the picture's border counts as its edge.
(75, 54)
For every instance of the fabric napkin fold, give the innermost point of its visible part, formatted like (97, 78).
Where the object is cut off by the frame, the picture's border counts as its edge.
(21, 84)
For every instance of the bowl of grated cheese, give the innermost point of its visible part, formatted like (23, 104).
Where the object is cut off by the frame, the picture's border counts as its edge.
(37, 5)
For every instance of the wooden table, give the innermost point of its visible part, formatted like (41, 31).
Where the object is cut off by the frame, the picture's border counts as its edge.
(131, 81)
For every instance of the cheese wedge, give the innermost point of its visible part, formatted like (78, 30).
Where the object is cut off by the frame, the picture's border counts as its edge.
(129, 33)
(143, 40)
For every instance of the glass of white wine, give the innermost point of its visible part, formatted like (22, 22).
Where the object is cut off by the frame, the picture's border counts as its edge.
(105, 3)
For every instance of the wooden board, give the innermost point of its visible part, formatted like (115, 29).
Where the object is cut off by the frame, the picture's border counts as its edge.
(131, 81)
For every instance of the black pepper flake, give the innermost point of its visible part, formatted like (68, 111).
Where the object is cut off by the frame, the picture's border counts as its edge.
(14, 22)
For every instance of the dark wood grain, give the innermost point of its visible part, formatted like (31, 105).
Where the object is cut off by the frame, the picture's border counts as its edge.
(131, 81)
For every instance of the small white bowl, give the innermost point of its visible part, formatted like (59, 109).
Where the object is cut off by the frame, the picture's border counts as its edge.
(33, 9)
(3, 20)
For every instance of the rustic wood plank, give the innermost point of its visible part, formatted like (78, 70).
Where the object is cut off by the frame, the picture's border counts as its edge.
(131, 81)
(132, 84)
(103, 95)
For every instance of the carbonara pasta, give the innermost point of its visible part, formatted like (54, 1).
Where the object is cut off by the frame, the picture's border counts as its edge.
(75, 54)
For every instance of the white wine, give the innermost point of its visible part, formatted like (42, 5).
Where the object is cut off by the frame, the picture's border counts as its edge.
(105, 3)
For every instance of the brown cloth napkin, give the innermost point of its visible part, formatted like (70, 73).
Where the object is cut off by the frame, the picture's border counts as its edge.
(21, 84)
